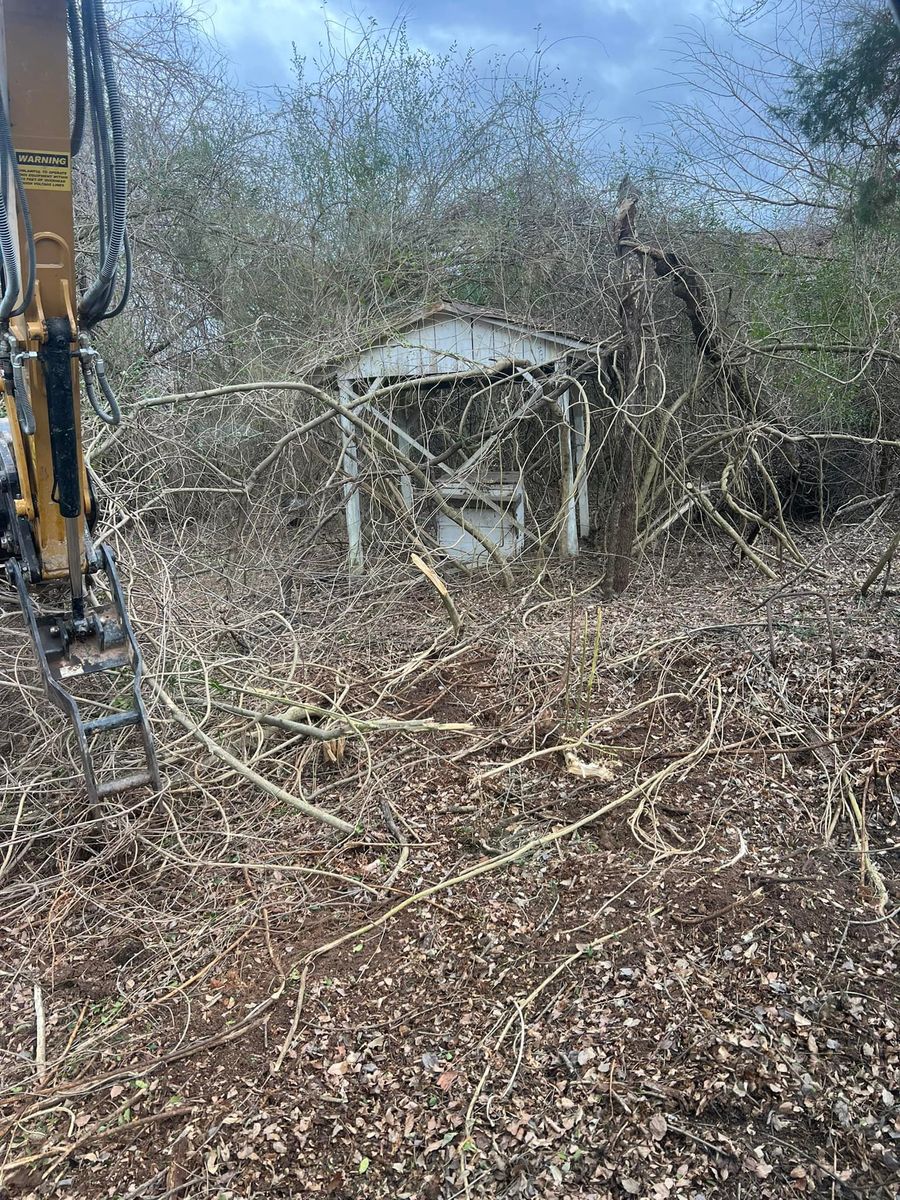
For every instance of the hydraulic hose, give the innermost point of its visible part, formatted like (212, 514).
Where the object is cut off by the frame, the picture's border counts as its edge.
(24, 411)
(7, 246)
(93, 365)
(126, 285)
(100, 137)
(10, 265)
(112, 163)
(7, 305)
(78, 71)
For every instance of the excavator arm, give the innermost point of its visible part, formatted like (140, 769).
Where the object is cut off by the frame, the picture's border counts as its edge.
(67, 588)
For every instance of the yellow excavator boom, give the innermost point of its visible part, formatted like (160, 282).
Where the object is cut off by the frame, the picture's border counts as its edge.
(46, 356)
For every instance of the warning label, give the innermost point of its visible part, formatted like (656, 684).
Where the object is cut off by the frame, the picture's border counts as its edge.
(43, 172)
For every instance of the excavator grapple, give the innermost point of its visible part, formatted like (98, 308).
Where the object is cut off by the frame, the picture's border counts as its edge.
(67, 587)
(106, 646)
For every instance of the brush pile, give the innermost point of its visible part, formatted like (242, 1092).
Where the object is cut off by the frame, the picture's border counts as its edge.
(562, 899)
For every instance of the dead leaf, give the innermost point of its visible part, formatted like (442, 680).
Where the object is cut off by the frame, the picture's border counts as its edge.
(761, 1169)
(587, 770)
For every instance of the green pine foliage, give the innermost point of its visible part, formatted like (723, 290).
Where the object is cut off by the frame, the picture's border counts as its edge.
(850, 100)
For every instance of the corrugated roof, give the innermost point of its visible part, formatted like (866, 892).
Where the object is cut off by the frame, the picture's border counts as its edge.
(393, 330)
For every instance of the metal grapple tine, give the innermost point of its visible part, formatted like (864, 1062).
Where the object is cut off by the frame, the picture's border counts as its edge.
(60, 660)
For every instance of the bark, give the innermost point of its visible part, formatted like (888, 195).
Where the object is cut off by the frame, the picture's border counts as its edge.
(621, 528)
(701, 308)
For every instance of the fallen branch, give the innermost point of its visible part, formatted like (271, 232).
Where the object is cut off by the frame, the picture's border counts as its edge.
(498, 862)
(271, 789)
(352, 724)
(40, 1034)
(441, 588)
(883, 563)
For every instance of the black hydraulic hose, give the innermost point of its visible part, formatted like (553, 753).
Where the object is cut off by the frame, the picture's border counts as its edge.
(112, 415)
(100, 137)
(78, 72)
(100, 134)
(104, 175)
(7, 248)
(96, 301)
(126, 286)
(10, 265)
(8, 152)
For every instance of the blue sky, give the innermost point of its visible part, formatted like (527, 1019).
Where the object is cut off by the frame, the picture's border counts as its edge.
(618, 49)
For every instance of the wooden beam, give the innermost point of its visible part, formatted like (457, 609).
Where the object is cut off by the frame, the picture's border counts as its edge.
(406, 487)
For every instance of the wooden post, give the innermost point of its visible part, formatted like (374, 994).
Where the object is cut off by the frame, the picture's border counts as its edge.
(520, 509)
(355, 553)
(568, 542)
(584, 512)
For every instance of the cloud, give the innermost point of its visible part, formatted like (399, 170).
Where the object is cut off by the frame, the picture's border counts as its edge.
(615, 50)
(260, 35)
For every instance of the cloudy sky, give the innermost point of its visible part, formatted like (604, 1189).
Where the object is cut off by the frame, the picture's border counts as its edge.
(620, 50)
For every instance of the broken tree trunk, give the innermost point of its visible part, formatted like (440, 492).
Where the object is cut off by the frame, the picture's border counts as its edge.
(760, 472)
(701, 308)
(621, 527)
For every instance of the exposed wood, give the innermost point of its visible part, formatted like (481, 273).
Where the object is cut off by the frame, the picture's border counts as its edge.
(441, 588)
(621, 526)
(568, 541)
(352, 506)
(578, 446)
(40, 1034)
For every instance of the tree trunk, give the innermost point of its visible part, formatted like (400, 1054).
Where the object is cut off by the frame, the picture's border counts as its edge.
(621, 526)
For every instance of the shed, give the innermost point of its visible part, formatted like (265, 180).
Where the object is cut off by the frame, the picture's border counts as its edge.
(443, 348)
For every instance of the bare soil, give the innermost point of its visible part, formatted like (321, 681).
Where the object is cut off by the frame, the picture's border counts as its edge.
(692, 994)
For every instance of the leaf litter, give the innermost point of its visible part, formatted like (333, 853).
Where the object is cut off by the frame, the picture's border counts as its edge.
(691, 995)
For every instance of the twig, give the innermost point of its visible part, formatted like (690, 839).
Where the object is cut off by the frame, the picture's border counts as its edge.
(4, 866)
(295, 1023)
(271, 789)
(519, 1007)
(883, 562)
(40, 1035)
(441, 588)
(719, 912)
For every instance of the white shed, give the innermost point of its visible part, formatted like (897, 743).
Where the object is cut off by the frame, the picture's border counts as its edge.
(452, 336)
(440, 345)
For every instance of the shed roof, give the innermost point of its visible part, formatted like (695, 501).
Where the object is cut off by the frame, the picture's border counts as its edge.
(451, 337)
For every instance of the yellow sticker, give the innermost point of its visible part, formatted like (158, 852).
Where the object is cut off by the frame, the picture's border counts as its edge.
(42, 171)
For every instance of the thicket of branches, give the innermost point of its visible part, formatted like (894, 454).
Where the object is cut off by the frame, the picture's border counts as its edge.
(737, 276)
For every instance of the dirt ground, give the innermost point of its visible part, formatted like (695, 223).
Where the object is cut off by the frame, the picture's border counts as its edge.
(619, 917)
